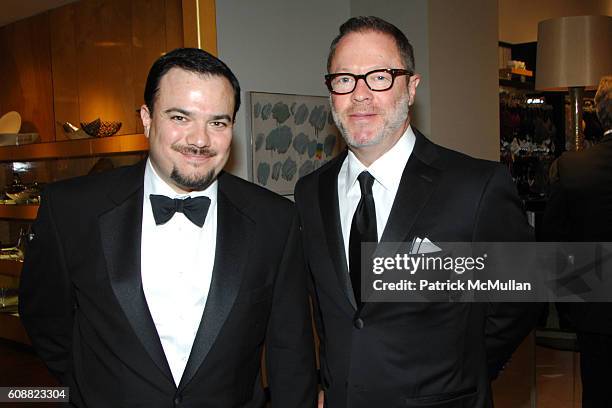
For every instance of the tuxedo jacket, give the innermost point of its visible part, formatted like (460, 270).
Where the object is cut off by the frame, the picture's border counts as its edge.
(83, 306)
(580, 209)
(414, 354)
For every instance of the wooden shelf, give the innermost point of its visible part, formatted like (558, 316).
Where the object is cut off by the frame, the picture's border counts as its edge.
(75, 148)
(516, 71)
(12, 329)
(9, 267)
(18, 212)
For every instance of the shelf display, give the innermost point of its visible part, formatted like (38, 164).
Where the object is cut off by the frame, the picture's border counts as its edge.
(75, 148)
(527, 140)
(24, 170)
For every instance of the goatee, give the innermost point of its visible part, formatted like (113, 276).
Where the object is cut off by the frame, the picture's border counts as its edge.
(193, 183)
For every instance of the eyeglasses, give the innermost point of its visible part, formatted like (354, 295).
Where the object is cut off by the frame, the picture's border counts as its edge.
(343, 83)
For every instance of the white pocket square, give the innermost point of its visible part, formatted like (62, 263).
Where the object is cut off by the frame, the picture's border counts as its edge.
(423, 246)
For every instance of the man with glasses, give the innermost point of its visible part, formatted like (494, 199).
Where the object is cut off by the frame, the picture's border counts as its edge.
(394, 185)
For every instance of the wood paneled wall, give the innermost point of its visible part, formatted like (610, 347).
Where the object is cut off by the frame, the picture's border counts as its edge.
(85, 60)
(25, 69)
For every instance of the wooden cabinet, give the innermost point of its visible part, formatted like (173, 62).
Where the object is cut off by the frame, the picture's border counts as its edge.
(85, 60)
(18, 212)
(10, 268)
(12, 329)
(25, 69)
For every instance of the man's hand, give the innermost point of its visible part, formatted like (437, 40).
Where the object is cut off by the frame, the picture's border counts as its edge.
(321, 403)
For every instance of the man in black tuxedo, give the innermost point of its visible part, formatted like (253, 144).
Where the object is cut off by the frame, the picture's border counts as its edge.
(580, 210)
(157, 285)
(394, 185)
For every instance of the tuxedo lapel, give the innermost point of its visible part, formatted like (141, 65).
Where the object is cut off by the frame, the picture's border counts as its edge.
(418, 181)
(121, 229)
(234, 237)
(330, 214)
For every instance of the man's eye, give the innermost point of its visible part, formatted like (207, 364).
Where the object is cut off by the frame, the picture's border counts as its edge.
(178, 118)
(344, 80)
(219, 124)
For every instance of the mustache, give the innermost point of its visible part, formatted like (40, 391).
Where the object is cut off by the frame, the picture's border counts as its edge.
(362, 110)
(194, 151)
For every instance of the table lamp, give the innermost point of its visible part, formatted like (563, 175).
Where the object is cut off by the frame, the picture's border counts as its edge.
(573, 54)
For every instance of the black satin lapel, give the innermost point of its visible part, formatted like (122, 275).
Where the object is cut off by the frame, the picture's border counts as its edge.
(416, 185)
(330, 214)
(234, 236)
(121, 230)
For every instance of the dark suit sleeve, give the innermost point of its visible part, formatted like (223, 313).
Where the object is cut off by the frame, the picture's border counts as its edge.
(46, 302)
(289, 341)
(501, 219)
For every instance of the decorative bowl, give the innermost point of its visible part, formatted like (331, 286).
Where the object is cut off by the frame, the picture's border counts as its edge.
(10, 122)
(99, 128)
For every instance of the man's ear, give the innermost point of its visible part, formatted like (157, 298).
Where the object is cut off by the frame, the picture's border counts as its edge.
(145, 116)
(412, 86)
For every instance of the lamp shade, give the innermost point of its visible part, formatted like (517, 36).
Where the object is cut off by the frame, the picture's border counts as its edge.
(573, 52)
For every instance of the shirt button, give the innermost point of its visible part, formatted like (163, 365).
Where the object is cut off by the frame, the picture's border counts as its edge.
(358, 323)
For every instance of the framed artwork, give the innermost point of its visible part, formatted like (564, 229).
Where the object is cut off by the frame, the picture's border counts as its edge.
(291, 136)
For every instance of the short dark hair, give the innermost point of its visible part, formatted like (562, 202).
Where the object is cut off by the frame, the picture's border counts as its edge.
(371, 23)
(193, 60)
(603, 102)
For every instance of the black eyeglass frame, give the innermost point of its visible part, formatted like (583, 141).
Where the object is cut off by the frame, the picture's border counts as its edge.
(395, 72)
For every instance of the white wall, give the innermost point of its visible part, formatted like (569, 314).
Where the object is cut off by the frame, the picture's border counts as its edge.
(412, 17)
(463, 74)
(275, 46)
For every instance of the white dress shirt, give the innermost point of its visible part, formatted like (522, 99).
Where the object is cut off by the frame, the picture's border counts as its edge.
(177, 260)
(387, 172)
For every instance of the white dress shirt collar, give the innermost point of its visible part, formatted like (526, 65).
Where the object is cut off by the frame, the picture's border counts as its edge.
(385, 168)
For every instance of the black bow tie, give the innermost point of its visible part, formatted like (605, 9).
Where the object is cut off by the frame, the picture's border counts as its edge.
(195, 209)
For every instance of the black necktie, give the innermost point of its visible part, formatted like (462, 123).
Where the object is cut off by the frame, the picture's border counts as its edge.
(195, 209)
(363, 229)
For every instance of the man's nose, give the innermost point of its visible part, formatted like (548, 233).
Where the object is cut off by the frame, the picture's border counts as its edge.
(361, 92)
(199, 137)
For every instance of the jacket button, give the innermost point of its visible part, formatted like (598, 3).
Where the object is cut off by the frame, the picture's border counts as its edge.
(177, 400)
(358, 323)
